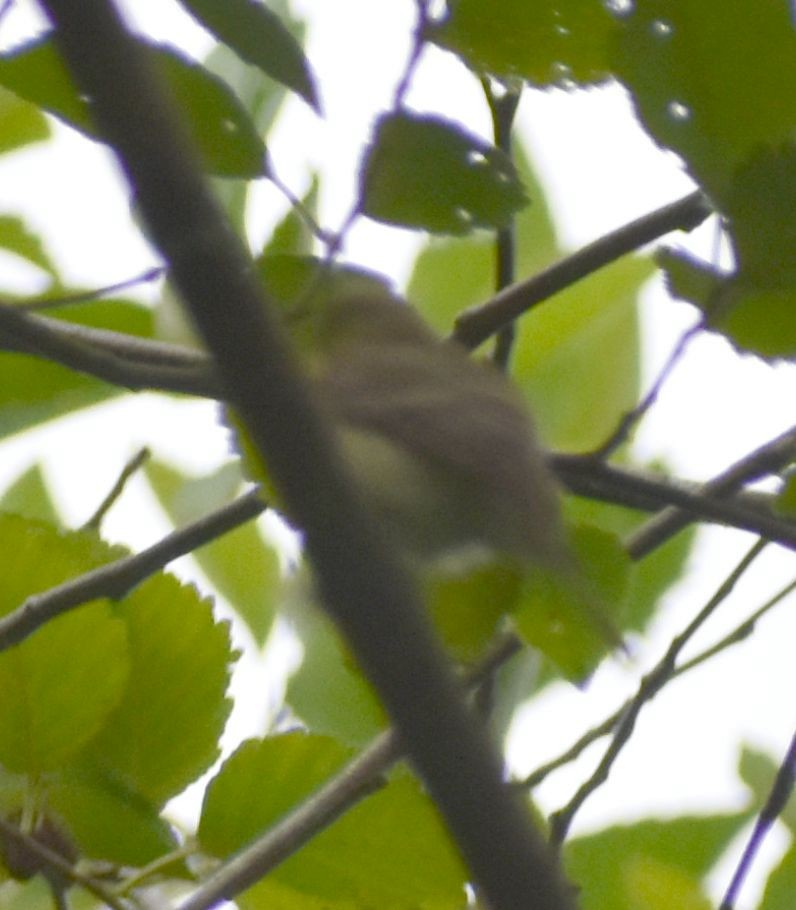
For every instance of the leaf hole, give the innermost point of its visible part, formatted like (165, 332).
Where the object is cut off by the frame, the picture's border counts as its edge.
(661, 29)
(678, 111)
(619, 8)
(476, 158)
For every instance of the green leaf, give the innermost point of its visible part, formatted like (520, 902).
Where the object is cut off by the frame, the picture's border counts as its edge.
(34, 894)
(28, 496)
(63, 682)
(429, 173)
(33, 390)
(16, 238)
(165, 731)
(754, 306)
(697, 73)
(760, 205)
(568, 620)
(327, 691)
(453, 273)
(241, 565)
(653, 885)
(616, 867)
(21, 123)
(293, 236)
(548, 42)
(262, 99)
(225, 137)
(108, 820)
(391, 850)
(758, 771)
(260, 783)
(786, 498)
(468, 602)
(781, 884)
(259, 37)
(649, 578)
(577, 357)
(388, 851)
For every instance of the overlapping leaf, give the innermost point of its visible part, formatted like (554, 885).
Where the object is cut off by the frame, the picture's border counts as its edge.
(651, 864)
(714, 80)
(21, 123)
(241, 565)
(554, 42)
(421, 171)
(388, 851)
(226, 139)
(259, 37)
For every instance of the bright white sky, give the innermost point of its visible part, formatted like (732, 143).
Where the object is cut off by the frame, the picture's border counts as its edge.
(601, 171)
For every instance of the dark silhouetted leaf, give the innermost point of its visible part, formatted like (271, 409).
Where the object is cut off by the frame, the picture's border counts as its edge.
(429, 173)
(224, 135)
(547, 42)
(259, 37)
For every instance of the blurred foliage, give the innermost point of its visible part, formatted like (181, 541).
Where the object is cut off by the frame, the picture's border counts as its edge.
(115, 708)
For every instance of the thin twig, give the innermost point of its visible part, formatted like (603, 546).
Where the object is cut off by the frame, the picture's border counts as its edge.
(117, 579)
(740, 633)
(777, 799)
(49, 302)
(478, 323)
(415, 52)
(638, 489)
(320, 233)
(650, 685)
(157, 867)
(357, 780)
(139, 459)
(769, 458)
(55, 862)
(503, 109)
(629, 420)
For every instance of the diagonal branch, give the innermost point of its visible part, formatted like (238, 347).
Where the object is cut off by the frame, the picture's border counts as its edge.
(650, 685)
(359, 778)
(638, 489)
(769, 458)
(116, 579)
(478, 323)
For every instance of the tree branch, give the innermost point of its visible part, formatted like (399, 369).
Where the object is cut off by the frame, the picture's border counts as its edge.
(364, 587)
(637, 489)
(768, 459)
(478, 323)
(56, 865)
(357, 780)
(650, 685)
(116, 579)
(138, 363)
(738, 634)
(780, 793)
(118, 358)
